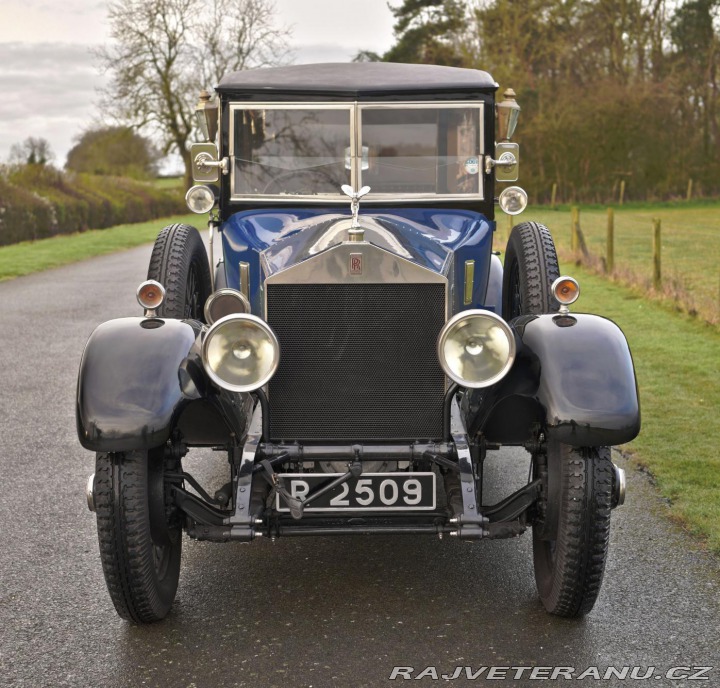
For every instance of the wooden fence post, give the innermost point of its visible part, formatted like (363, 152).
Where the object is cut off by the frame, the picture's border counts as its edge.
(657, 265)
(574, 221)
(622, 191)
(610, 248)
(689, 189)
(553, 196)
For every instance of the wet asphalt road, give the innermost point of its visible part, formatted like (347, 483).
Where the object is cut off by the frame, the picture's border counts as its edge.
(301, 612)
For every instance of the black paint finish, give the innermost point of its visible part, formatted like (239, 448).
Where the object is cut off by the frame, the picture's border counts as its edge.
(356, 81)
(129, 388)
(573, 376)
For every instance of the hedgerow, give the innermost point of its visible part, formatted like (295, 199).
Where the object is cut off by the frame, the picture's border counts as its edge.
(38, 201)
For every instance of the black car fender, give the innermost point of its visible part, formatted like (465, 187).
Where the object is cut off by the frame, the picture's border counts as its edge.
(573, 377)
(134, 382)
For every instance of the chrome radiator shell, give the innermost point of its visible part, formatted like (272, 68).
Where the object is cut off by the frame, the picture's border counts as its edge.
(358, 327)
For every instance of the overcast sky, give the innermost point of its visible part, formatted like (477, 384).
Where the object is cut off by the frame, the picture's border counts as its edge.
(49, 79)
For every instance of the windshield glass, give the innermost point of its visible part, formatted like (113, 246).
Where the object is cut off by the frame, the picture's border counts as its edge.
(414, 150)
(291, 151)
(422, 150)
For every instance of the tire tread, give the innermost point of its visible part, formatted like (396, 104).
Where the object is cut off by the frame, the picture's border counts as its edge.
(583, 533)
(175, 248)
(532, 246)
(126, 547)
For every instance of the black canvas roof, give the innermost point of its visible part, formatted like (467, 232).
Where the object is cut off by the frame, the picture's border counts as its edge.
(356, 80)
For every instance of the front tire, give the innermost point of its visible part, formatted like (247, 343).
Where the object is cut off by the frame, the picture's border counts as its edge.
(531, 266)
(141, 573)
(569, 556)
(179, 262)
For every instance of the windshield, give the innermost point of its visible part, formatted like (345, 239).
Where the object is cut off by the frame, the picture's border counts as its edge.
(291, 151)
(402, 150)
(425, 150)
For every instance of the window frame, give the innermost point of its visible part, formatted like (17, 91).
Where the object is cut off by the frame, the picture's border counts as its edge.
(355, 110)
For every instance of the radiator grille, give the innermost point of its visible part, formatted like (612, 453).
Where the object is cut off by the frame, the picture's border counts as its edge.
(357, 361)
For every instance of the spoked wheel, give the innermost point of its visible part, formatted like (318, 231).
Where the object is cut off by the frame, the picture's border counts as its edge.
(531, 266)
(140, 536)
(180, 263)
(572, 531)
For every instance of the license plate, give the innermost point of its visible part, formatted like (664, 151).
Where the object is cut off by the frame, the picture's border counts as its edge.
(369, 492)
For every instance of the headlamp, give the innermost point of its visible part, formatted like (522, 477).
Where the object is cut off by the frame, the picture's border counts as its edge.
(513, 200)
(476, 348)
(240, 352)
(200, 199)
(225, 302)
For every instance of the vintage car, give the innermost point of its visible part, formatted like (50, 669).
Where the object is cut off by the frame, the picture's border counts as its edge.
(356, 347)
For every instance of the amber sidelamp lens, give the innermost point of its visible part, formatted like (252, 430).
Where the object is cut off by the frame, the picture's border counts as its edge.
(151, 294)
(566, 290)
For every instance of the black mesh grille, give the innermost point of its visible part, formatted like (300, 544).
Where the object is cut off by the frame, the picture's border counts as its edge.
(357, 362)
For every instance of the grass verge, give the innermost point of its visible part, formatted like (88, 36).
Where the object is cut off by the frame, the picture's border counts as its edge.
(677, 360)
(33, 256)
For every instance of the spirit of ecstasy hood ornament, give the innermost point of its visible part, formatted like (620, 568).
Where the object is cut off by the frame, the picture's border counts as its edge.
(355, 197)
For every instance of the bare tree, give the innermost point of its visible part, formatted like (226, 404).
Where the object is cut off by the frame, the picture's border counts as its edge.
(165, 51)
(32, 151)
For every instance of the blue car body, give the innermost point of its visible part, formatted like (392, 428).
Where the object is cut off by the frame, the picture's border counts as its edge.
(432, 237)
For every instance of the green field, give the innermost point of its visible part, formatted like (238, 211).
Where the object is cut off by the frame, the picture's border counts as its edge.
(690, 246)
(32, 256)
(677, 357)
(677, 360)
(169, 183)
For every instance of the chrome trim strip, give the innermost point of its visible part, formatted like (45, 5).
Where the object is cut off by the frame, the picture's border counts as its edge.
(355, 152)
(90, 492)
(619, 486)
(469, 281)
(211, 231)
(244, 271)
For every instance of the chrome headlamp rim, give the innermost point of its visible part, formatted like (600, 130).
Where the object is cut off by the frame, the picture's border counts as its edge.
(510, 190)
(471, 313)
(197, 188)
(207, 338)
(225, 291)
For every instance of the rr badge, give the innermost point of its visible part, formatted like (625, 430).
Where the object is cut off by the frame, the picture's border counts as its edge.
(356, 263)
